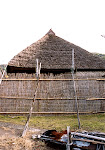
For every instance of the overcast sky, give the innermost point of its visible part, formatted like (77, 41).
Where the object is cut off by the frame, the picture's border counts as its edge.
(22, 22)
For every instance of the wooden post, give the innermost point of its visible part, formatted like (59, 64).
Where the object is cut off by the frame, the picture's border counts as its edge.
(69, 138)
(72, 72)
(39, 69)
(36, 68)
(30, 113)
(3, 74)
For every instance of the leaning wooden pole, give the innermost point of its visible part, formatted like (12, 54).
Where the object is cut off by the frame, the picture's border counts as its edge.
(33, 103)
(76, 102)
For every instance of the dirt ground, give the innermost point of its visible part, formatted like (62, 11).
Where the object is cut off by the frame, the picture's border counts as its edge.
(10, 138)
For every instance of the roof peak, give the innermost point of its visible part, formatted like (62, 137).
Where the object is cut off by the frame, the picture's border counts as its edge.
(50, 32)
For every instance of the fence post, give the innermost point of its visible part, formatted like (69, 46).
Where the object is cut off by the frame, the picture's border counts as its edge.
(69, 138)
(72, 72)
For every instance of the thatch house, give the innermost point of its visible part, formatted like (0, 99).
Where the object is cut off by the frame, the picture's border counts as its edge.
(55, 92)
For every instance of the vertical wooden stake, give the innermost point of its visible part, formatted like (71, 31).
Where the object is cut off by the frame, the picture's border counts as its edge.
(72, 71)
(69, 138)
(3, 74)
(37, 70)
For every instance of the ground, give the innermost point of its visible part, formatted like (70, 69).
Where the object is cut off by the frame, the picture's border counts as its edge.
(11, 139)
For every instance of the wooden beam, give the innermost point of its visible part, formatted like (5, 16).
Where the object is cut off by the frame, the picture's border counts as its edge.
(101, 79)
(46, 112)
(31, 98)
(58, 98)
(91, 99)
(48, 79)
(88, 136)
(86, 140)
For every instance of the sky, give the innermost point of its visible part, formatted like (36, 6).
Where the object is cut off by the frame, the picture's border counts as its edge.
(23, 22)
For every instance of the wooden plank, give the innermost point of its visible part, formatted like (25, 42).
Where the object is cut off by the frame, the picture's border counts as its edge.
(88, 136)
(86, 140)
(29, 98)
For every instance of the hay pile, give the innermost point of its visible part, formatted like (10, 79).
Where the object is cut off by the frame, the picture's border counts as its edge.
(10, 140)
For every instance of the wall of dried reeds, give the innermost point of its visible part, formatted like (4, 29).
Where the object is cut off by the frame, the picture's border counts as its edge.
(55, 95)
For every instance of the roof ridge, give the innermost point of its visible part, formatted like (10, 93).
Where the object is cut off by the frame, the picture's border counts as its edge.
(50, 32)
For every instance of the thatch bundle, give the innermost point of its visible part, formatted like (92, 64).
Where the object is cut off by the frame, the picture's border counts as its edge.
(54, 53)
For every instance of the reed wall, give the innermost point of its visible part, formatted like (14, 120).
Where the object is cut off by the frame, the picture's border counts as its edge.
(57, 95)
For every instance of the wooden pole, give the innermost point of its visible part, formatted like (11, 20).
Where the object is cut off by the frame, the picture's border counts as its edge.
(37, 68)
(89, 136)
(88, 140)
(3, 74)
(42, 113)
(85, 79)
(69, 138)
(30, 113)
(72, 72)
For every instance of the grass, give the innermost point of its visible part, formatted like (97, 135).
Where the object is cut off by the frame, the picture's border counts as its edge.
(94, 122)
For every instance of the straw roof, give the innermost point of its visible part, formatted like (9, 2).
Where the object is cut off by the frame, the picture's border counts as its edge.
(55, 53)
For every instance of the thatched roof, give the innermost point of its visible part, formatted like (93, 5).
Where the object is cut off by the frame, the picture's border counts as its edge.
(55, 53)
